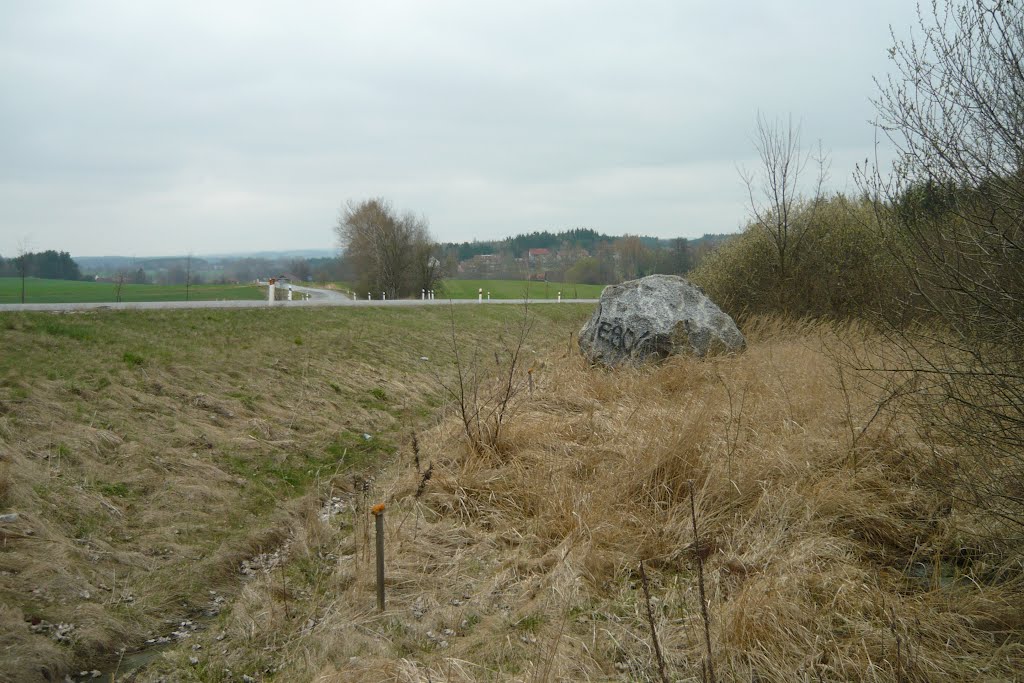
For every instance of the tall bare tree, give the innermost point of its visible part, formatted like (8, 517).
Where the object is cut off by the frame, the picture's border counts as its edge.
(427, 269)
(23, 260)
(782, 197)
(300, 268)
(632, 254)
(119, 279)
(389, 252)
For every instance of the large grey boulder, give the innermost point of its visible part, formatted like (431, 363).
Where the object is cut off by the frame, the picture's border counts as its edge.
(653, 318)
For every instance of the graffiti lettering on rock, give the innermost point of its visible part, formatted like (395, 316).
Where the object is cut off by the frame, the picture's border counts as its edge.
(622, 338)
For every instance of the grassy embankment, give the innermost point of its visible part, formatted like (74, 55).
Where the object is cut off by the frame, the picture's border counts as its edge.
(825, 554)
(147, 454)
(40, 291)
(148, 465)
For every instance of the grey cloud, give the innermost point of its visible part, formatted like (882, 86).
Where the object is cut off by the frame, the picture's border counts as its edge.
(166, 126)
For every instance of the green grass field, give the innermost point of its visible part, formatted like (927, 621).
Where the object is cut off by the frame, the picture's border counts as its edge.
(39, 291)
(499, 289)
(517, 289)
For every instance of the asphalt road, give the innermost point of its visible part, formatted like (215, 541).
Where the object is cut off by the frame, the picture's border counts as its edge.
(317, 297)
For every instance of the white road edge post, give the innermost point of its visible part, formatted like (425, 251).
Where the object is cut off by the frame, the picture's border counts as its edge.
(480, 295)
(383, 296)
(289, 292)
(270, 292)
(559, 297)
(488, 296)
(423, 295)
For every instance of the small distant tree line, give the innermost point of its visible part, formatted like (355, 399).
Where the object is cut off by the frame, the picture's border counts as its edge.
(580, 256)
(54, 265)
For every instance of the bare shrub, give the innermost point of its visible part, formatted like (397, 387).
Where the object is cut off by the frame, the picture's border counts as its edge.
(955, 203)
(778, 195)
(483, 397)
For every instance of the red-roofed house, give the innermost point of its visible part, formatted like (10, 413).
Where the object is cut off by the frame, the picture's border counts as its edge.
(535, 255)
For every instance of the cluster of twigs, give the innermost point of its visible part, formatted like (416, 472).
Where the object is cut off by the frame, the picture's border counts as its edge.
(483, 404)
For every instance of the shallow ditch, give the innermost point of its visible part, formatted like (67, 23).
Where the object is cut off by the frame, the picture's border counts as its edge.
(126, 666)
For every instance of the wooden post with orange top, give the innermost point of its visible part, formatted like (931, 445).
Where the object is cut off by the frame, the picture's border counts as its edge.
(378, 513)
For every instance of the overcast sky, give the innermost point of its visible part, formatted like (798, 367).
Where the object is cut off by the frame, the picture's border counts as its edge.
(151, 128)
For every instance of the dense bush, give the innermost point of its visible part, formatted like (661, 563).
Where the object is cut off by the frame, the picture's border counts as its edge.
(847, 266)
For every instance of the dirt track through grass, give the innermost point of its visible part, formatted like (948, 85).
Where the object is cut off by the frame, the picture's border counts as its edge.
(148, 453)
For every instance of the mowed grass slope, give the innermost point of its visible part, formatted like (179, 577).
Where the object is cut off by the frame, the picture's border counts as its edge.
(147, 453)
(825, 553)
(42, 291)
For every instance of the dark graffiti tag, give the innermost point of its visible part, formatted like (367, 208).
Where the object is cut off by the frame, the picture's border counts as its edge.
(622, 338)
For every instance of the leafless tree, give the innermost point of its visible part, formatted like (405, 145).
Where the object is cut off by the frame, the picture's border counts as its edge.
(23, 260)
(389, 252)
(782, 202)
(300, 268)
(484, 400)
(632, 255)
(119, 280)
(427, 270)
(954, 109)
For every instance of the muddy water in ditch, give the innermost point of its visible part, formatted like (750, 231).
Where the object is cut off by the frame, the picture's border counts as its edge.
(125, 666)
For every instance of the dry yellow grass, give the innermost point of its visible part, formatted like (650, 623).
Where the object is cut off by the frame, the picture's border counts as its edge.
(146, 454)
(827, 557)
